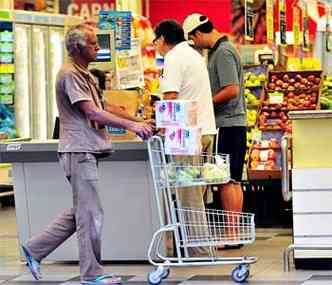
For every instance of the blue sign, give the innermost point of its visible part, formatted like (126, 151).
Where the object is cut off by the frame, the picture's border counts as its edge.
(120, 23)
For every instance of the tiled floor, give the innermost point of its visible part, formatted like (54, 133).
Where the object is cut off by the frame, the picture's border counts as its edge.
(267, 271)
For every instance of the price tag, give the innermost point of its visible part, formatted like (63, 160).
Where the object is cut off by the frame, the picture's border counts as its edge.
(276, 98)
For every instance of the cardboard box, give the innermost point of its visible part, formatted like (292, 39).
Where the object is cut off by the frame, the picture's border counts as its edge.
(183, 141)
(176, 113)
(128, 100)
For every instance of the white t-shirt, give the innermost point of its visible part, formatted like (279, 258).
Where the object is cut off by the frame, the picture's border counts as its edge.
(185, 72)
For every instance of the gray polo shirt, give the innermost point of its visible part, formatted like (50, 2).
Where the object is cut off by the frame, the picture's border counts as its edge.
(225, 69)
(77, 134)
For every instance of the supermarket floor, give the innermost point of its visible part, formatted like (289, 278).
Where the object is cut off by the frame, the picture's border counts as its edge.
(267, 271)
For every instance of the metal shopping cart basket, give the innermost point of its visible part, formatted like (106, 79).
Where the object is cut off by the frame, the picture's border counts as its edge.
(194, 228)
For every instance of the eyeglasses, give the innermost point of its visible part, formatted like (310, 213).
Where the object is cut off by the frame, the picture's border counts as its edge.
(156, 40)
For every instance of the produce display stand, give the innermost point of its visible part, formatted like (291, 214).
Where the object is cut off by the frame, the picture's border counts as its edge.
(284, 91)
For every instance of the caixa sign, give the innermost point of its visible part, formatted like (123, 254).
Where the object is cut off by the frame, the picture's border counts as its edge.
(88, 9)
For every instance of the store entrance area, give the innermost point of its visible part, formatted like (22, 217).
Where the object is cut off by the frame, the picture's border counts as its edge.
(268, 247)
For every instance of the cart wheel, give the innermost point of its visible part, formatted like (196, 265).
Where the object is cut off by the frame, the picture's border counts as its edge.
(154, 278)
(240, 273)
(166, 272)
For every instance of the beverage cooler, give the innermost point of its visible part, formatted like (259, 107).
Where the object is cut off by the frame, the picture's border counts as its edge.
(39, 54)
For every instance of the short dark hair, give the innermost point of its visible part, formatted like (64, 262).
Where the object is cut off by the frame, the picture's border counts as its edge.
(204, 28)
(171, 30)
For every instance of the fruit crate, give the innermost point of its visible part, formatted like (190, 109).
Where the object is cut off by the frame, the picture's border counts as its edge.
(301, 90)
(294, 80)
(267, 167)
(269, 172)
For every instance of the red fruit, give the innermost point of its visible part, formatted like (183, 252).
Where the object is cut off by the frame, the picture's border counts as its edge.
(298, 77)
(311, 78)
(285, 77)
(272, 86)
(279, 83)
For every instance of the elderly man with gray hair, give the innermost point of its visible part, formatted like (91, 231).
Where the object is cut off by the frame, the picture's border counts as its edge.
(83, 140)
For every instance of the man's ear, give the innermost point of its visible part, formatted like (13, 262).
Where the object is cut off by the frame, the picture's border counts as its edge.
(79, 47)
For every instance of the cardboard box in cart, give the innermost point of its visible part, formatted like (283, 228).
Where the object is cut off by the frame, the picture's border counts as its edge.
(176, 113)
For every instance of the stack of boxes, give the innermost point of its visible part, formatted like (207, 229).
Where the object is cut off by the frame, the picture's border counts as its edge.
(179, 119)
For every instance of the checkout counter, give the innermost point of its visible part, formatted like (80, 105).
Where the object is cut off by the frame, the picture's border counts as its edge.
(126, 191)
(311, 184)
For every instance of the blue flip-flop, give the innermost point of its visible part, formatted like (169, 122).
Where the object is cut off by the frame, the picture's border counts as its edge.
(32, 263)
(103, 280)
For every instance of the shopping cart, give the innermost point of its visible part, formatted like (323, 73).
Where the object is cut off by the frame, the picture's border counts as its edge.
(194, 228)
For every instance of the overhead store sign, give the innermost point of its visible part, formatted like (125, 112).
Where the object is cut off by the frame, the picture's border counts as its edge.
(88, 9)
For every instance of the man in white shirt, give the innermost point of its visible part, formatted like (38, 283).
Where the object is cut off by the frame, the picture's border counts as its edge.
(185, 76)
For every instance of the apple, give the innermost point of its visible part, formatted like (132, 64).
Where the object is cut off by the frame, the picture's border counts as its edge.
(317, 80)
(297, 85)
(290, 95)
(304, 81)
(285, 78)
(311, 78)
(272, 86)
(292, 81)
(284, 85)
(298, 77)
(279, 82)
(274, 78)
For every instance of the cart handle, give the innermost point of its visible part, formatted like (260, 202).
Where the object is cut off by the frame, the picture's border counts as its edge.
(286, 194)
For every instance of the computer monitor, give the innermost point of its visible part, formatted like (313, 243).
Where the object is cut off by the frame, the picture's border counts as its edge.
(104, 41)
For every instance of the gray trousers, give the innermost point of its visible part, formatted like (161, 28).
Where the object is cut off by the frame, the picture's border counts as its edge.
(85, 218)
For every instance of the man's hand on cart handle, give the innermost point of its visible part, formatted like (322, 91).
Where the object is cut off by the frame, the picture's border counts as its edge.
(143, 130)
